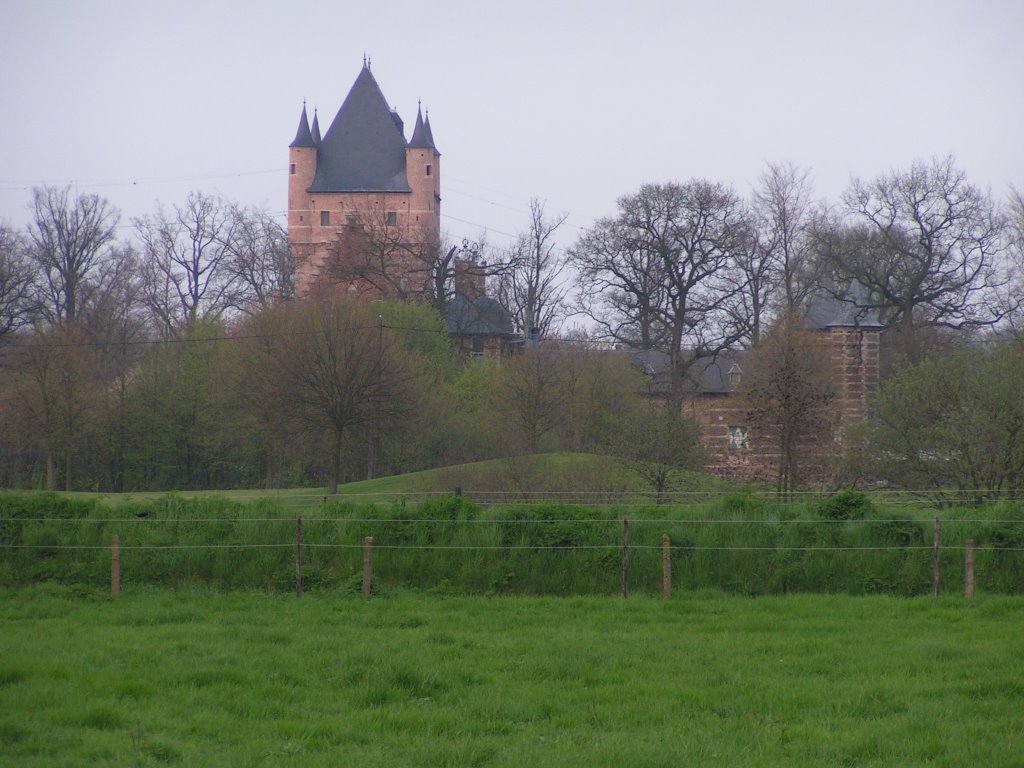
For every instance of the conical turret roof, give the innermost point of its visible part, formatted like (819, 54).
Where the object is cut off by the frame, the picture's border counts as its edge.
(364, 149)
(303, 138)
(421, 138)
(315, 130)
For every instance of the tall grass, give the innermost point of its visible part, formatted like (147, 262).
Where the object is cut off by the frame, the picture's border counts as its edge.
(742, 544)
(212, 679)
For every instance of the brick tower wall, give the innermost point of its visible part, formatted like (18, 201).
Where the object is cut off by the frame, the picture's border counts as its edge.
(320, 225)
(855, 370)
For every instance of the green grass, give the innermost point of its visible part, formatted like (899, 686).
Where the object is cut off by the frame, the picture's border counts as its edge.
(593, 477)
(740, 544)
(196, 678)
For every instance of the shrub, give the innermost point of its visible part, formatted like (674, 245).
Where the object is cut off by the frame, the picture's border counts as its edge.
(846, 505)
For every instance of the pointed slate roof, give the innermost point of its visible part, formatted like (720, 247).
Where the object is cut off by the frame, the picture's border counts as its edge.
(422, 138)
(316, 128)
(430, 133)
(303, 138)
(852, 310)
(364, 149)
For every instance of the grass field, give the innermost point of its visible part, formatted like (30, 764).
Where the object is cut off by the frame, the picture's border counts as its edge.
(588, 476)
(246, 679)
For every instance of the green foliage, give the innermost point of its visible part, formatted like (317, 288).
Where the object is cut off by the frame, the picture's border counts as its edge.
(955, 420)
(845, 505)
(422, 333)
(740, 544)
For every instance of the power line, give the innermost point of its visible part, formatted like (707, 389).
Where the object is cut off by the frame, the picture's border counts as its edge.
(11, 184)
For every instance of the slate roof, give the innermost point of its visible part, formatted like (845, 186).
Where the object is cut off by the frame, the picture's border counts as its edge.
(422, 137)
(825, 310)
(303, 138)
(709, 375)
(481, 317)
(315, 130)
(364, 148)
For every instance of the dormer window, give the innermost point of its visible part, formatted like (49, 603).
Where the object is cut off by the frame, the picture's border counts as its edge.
(735, 376)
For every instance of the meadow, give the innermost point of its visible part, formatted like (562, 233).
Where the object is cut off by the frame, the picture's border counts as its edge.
(189, 677)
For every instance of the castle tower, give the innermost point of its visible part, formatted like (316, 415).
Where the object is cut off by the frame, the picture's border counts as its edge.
(301, 169)
(853, 335)
(361, 199)
(423, 170)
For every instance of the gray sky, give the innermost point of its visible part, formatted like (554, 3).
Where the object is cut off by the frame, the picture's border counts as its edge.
(576, 103)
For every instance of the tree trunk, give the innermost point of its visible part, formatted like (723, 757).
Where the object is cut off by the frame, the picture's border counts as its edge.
(335, 476)
(51, 472)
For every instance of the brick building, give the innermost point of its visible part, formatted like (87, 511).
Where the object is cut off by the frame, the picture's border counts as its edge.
(363, 203)
(848, 332)
(364, 216)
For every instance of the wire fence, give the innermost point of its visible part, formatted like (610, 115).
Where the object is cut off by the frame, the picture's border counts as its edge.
(521, 554)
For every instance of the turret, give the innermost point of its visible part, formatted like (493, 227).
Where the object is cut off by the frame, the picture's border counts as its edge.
(315, 130)
(423, 169)
(854, 332)
(302, 153)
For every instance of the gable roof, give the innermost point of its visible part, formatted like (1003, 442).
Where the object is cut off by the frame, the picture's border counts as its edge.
(364, 149)
(478, 317)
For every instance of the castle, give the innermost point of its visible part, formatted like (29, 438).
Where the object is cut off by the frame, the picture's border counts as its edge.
(364, 204)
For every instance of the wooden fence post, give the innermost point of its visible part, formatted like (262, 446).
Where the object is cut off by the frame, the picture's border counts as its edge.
(115, 565)
(367, 565)
(625, 557)
(937, 550)
(298, 555)
(666, 567)
(969, 569)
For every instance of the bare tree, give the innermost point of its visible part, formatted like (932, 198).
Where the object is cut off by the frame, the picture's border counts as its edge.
(59, 384)
(344, 371)
(532, 392)
(116, 321)
(16, 285)
(925, 244)
(686, 239)
(755, 281)
(788, 388)
(376, 253)
(68, 235)
(1014, 217)
(259, 258)
(532, 287)
(784, 214)
(657, 445)
(185, 262)
(622, 287)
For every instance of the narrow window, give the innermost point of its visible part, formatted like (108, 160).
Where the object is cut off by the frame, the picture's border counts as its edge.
(428, 169)
(392, 218)
(325, 218)
(291, 169)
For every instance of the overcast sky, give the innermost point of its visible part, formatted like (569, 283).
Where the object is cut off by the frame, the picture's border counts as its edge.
(575, 103)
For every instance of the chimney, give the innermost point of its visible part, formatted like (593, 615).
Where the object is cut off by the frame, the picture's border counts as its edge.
(470, 279)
